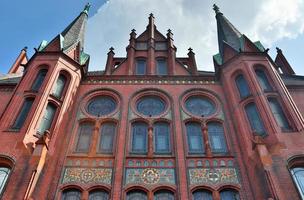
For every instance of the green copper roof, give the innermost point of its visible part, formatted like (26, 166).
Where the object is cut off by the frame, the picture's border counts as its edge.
(83, 58)
(42, 45)
(218, 59)
(260, 46)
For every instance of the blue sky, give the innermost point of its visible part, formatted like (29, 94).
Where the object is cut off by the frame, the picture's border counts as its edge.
(275, 23)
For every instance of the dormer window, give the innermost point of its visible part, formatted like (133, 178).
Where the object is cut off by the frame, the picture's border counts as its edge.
(141, 67)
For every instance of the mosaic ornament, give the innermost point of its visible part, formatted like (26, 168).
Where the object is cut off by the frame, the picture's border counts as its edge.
(150, 176)
(213, 176)
(87, 175)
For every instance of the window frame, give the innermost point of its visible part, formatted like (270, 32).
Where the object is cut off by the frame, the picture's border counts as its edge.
(223, 137)
(146, 144)
(261, 121)
(69, 189)
(169, 144)
(202, 142)
(237, 83)
(164, 67)
(63, 89)
(84, 123)
(282, 113)
(137, 60)
(34, 86)
(52, 121)
(21, 110)
(100, 136)
(266, 81)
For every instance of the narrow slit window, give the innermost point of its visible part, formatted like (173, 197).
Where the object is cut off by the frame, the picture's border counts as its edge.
(242, 86)
(263, 80)
(254, 119)
(278, 114)
(23, 113)
(39, 80)
(47, 118)
(59, 86)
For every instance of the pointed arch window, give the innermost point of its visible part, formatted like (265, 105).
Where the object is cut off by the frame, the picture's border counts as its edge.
(139, 137)
(195, 138)
(202, 195)
(263, 80)
(254, 119)
(107, 136)
(137, 195)
(71, 194)
(39, 80)
(278, 114)
(164, 195)
(242, 86)
(98, 195)
(23, 112)
(229, 194)
(47, 118)
(216, 137)
(84, 137)
(59, 86)
(161, 66)
(161, 137)
(141, 66)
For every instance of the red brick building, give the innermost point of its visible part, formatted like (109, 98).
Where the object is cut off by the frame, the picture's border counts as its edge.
(151, 125)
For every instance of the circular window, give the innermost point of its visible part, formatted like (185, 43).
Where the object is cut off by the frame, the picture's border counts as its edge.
(198, 105)
(151, 106)
(101, 105)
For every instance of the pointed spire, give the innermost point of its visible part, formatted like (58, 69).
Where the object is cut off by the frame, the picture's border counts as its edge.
(74, 33)
(226, 32)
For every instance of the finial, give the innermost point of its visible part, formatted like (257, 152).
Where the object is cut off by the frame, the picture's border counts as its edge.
(169, 31)
(111, 49)
(87, 8)
(216, 9)
(133, 30)
(24, 48)
(190, 49)
(279, 50)
(151, 15)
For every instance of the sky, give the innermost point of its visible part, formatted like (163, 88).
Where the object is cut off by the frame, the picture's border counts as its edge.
(276, 23)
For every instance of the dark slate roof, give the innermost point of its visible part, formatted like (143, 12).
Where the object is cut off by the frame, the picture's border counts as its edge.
(10, 79)
(293, 80)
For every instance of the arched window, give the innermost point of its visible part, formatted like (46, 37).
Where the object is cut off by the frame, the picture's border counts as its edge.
(195, 137)
(202, 195)
(98, 195)
(254, 119)
(59, 87)
(136, 195)
(107, 135)
(23, 112)
(242, 86)
(84, 137)
(71, 194)
(139, 137)
(229, 194)
(39, 79)
(161, 66)
(4, 173)
(141, 67)
(216, 137)
(278, 113)
(47, 118)
(263, 80)
(161, 137)
(164, 195)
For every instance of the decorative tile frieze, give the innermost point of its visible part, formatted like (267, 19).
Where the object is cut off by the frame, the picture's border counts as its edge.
(212, 176)
(87, 175)
(150, 176)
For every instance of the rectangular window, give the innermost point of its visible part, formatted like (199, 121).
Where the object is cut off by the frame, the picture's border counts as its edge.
(141, 67)
(139, 137)
(47, 119)
(22, 115)
(161, 138)
(216, 137)
(84, 137)
(39, 80)
(59, 86)
(162, 68)
(254, 119)
(278, 114)
(195, 138)
(107, 134)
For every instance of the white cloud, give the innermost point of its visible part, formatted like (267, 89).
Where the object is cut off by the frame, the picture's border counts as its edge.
(193, 24)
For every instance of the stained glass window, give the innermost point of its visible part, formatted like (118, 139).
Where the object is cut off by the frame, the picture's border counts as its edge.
(242, 86)
(107, 135)
(229, 195)
(136, 195)
(84, 137)
(202, 195)
(195, 138)
(98, 195)
(151, 106)
(161, 66)
(263, 80)
(26, 107)
(163, 195)
(298, 177)
(4, 172)
(101, 105)
(216, 137)
(47, 119)
(254, 119)
(59, 86)
(199, 106)
(39, 80)
(71, 194)
(161, 137)
(278, 114)
(141, 67)
(139, 137)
